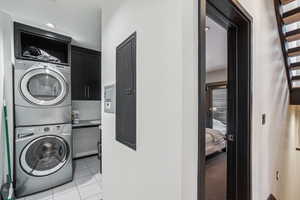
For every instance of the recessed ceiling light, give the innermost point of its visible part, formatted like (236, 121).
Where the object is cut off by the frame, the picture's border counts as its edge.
(207, 28)
(50, 25)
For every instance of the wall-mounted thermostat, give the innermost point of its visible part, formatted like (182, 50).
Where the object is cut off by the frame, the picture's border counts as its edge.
(109, 98)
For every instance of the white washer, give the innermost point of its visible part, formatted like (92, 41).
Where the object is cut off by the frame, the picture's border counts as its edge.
(43, 158)
(42, 93)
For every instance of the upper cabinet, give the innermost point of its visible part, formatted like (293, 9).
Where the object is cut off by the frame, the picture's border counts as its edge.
(40, 45)
(86, 74)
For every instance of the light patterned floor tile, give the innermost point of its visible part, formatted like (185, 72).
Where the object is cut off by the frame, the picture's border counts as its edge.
(87, 184)
(85, 181)
(89, 190)
(47, 195)
(64, 188)
(69, 195)
(95, 197)
(82, 173)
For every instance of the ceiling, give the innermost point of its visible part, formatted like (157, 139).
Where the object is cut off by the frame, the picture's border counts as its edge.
(216, 46)
(80, 19)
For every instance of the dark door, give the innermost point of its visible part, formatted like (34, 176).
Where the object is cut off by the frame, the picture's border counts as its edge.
(126, 92)
(232, 16)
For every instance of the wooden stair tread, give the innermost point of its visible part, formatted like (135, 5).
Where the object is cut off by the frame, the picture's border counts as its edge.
(294, 52)
(284, 2)
(291, 16)
(296, 78)
(293, 35)
(295, 65)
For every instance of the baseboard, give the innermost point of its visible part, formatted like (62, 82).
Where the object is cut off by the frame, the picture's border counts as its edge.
(271, 197)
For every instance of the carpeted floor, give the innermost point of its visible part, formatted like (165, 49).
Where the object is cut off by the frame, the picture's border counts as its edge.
(216, 177)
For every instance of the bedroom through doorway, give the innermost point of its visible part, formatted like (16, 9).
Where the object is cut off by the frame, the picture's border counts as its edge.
(216, 109)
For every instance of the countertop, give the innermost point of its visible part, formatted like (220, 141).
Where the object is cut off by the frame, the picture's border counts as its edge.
(87, 123)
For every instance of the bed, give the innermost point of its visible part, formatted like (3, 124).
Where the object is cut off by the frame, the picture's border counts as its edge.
(215, 138)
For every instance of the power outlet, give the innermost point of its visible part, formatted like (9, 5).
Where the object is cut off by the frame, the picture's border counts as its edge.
(277, 175)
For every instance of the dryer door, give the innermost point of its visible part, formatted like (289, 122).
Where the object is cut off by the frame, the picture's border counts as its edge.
(44, 86)
(44, 156)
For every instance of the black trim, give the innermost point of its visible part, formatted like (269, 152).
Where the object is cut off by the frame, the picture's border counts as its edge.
(40, 32)
(232, 16)
(88, 51)
(37, 32)
(201, 92)
(86, 126)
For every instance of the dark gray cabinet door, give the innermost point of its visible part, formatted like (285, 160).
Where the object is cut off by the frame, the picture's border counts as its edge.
(86, 74)
(126, 92)
(78, 75)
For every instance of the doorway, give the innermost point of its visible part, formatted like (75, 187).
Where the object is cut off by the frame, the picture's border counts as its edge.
(225, 105)
(216, 109)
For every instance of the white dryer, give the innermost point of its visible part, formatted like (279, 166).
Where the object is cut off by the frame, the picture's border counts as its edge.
(42, 93)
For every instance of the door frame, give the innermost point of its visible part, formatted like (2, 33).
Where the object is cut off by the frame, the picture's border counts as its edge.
(231, 15)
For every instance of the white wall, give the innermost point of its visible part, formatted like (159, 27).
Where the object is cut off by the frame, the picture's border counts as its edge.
(2, 139)
(291, 182)
(190, 99)
(5, 86)
(270, 96)
(168, 166)
(77, 19)
(165, 163)
(216, 76)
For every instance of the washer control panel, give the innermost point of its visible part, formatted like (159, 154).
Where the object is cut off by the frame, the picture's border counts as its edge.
(26, 132)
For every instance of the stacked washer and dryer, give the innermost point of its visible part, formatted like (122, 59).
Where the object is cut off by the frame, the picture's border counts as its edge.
(43, 139)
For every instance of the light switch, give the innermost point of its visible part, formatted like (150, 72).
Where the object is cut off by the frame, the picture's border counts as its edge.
(263, 119)
(109, 98)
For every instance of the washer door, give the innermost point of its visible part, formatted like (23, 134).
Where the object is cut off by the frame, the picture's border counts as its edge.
(44, 156)
(44, 86)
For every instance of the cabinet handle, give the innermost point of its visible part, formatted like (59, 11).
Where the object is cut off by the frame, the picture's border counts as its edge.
(88, 91)
(84, 91)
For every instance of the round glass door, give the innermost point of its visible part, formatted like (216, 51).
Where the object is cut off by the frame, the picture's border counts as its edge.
(44, 156)
(43, 86)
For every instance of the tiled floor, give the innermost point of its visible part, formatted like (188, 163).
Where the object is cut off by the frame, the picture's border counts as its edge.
(86, 184)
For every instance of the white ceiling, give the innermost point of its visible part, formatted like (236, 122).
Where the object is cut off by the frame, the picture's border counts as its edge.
(216, 46)
(80, 19)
